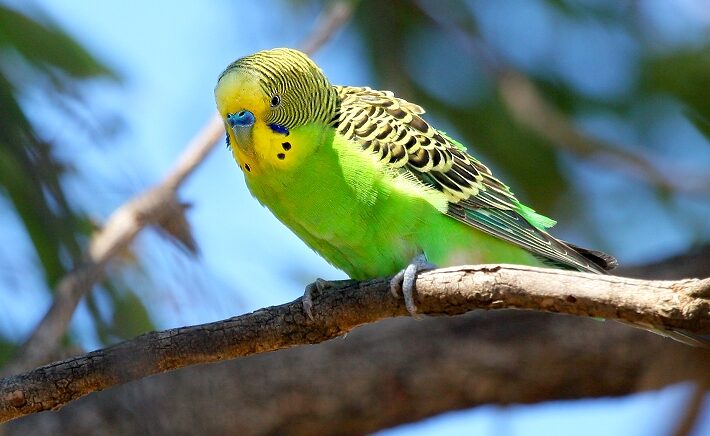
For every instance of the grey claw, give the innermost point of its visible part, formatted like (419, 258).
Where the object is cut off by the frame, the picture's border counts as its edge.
(404, 281)
(396, 283)
(408, 280)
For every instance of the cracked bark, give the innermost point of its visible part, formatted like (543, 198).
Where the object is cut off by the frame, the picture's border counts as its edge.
(668, 304)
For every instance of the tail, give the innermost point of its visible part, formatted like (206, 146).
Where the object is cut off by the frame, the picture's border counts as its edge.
(605, 261)
(577, 258)
(698, 341)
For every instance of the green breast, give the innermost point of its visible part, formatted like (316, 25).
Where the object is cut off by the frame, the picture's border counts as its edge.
(343, 205)
(365, 219)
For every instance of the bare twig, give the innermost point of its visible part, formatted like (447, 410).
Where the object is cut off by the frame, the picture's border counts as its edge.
(328, 24)
(156, 206)
(153, 207)
(683, 304)
(529, 107)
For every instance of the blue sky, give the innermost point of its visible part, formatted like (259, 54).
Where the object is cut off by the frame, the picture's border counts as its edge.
(169, 54)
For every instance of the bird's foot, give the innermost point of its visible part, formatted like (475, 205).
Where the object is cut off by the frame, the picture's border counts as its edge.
(404, 280)
(318, 286)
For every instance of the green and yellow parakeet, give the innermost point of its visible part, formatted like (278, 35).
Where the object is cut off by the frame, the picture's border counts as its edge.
(372, 187)
(367, 183)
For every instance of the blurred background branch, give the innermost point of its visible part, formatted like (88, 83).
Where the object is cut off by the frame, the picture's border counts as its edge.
(159, 206)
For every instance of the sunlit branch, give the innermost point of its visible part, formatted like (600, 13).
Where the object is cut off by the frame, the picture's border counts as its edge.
(681, 304)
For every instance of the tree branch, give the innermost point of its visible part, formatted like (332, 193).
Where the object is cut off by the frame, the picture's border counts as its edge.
(328, 23)
(158, 206)
(383, 374)
(683, 304)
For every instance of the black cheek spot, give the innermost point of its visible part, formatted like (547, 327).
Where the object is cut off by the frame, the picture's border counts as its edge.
(246, 167)
(281, 156)
(286, 146)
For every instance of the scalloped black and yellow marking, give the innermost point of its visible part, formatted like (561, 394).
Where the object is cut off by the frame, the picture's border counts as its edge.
(393, 130)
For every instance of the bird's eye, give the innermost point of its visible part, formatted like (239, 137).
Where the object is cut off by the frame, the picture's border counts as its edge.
(275, 101)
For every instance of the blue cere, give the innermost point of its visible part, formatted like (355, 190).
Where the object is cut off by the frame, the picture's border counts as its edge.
(242, 118)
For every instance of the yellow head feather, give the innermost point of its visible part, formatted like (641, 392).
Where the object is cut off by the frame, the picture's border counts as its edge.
(283, 90)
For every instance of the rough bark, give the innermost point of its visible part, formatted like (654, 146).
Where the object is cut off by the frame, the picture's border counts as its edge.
(680, 304)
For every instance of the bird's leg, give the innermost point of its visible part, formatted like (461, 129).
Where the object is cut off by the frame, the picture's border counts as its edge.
(404, 281)
(318, 286)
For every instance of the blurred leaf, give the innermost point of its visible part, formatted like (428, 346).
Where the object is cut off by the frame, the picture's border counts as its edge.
(44, 45)
(130, 317)
(701, 123)
(30, 174)
(38, 57)
(7, 350)
(570, 102)
(41, 224)
(684, 74)
(601, 10)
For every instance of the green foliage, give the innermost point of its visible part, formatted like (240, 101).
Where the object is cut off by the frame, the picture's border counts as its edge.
(683, 74)
(39, 57)
(29, 172)
(46, 47)
(6, 351)
(128, 317)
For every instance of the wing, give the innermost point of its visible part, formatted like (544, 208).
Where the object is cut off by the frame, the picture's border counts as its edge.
(393, 129)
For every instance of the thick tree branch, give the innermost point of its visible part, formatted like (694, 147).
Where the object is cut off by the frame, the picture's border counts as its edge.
(683, 304)
(158, 206)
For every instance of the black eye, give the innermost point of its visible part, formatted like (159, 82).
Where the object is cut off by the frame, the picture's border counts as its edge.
(275, 101)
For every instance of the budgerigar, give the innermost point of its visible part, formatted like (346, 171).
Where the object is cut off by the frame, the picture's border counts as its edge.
(367, 183)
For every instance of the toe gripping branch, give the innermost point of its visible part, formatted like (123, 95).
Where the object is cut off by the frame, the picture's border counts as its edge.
(405, 280)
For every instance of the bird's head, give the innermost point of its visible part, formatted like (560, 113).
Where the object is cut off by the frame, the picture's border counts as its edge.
(279, 90)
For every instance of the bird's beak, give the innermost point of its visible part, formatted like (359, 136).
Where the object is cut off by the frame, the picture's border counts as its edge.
(241, 124)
